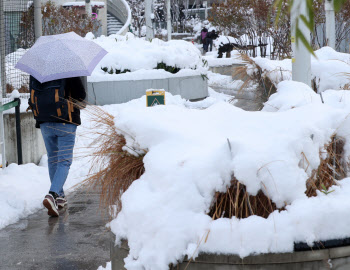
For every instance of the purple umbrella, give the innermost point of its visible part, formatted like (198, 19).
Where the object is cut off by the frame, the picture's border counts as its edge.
(61, 56)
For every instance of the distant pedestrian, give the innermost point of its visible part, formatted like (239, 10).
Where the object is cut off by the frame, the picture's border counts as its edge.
(210, 37)
(204, 34)
(55, 109)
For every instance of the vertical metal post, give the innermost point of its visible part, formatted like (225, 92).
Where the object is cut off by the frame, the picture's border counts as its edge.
(301, 59)
(2, 80)
(330, 23)
(88, 9)
(148, 15)
(205, 3)
(38, 30)
(2, 50)
(334, 156)
(2, 140)
(18, 132)
(168, 24)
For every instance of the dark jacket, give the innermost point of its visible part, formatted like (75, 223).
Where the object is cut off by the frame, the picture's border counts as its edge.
(75, 89)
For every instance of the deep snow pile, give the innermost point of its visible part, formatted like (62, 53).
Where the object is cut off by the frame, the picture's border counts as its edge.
(132, 53)
(329, 69)
(164, 213)
(22, 188)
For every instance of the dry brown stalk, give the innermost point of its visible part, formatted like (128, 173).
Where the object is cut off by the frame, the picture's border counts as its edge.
(241, 73)
(237, 202)
(113, 169)
(327, 173)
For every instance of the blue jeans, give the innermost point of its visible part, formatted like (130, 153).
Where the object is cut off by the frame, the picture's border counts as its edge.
(59, 140)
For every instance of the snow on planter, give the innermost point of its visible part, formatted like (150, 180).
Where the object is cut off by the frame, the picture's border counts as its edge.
(127, 54)
(328, 71)
(165, 213)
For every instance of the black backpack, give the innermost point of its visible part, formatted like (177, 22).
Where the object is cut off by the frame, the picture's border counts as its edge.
(47, 101)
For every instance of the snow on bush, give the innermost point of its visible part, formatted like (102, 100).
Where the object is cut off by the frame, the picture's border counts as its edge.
(129, 53)
(164, 214)
(330, 70)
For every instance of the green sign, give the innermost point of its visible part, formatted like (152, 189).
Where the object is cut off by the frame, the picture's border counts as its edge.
(155, 97)
(8, 106)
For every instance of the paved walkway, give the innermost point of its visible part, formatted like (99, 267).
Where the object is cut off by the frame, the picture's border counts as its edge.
(76, 240)
(246, 100)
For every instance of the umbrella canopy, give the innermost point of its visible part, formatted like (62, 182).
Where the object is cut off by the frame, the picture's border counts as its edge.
(61, 56)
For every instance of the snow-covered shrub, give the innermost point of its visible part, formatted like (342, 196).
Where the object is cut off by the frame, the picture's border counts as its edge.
(129, 53)
(328, 71)
(270, 162)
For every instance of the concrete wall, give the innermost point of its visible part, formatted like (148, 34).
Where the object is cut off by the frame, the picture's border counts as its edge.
(33, 146)
(339, 258)
(116, 92)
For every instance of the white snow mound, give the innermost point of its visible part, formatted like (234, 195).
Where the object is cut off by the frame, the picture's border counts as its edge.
(164, 213)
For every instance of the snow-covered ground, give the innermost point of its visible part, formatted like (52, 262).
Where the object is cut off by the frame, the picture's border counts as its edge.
(23, 187)
(213, 61)
(164, 215)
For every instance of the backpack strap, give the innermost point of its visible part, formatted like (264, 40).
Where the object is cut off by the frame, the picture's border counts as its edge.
(57, 100)
(70, 105)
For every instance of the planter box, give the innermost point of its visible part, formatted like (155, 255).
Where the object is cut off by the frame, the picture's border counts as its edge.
(116, 92)
(325, 259)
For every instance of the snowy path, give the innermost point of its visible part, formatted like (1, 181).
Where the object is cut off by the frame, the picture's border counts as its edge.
(248, 101)
(78, 239)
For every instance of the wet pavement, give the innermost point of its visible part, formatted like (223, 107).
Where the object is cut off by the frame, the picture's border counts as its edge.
(78, 239)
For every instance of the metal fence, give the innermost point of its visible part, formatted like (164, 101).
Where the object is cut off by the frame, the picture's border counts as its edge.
(16, 33)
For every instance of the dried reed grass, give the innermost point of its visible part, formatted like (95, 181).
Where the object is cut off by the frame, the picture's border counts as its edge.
(241, 73)
(237, 202)
(330, 169)
(114, 169)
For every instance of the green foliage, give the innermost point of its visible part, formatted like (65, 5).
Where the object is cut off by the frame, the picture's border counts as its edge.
(338, 4)
(325, 191)
(205, 63)
(116, 71)
(170, 69)
(204, 77)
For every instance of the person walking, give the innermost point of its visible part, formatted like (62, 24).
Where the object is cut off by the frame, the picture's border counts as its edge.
(55, 63)
(57, 113)
(204, 33)
(210, 37)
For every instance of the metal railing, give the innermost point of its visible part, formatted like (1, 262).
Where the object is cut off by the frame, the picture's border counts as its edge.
(121, 10)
